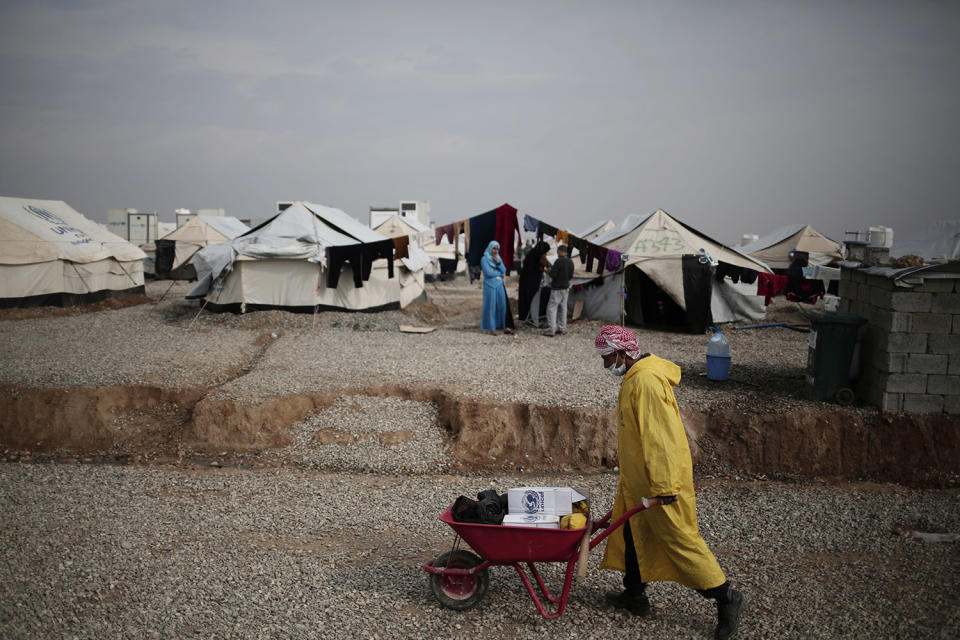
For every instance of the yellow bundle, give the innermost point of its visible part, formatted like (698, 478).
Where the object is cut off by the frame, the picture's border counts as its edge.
(573, 521)
(581, 507)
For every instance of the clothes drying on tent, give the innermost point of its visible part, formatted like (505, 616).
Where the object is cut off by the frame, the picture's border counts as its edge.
(652, 247)
(775, 248)
(284, 263)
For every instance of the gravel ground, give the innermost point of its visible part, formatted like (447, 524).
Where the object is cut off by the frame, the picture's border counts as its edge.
(109, 551)
(169, 344)
(332, 545)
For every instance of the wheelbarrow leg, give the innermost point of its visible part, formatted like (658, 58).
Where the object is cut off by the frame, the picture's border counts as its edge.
(561, 602)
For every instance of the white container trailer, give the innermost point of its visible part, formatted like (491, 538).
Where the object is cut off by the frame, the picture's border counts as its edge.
(142, 227)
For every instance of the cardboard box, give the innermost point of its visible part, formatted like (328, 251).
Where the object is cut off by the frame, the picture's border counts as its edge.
(531, 520)
(547, 501)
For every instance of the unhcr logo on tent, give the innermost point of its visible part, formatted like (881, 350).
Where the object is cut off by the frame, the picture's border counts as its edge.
(45, 215)
(60, 225)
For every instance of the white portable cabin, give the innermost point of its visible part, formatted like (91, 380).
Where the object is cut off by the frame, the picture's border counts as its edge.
(50, 254)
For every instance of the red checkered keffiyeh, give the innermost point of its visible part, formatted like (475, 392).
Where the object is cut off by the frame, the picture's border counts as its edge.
(613, 337)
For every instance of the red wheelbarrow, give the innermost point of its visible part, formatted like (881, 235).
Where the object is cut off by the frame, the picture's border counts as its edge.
(459, 578)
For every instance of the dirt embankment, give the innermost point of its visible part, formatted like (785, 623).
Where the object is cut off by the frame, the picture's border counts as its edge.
(163, 424)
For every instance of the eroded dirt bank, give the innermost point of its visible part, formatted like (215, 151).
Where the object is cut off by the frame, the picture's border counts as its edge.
(910, 449)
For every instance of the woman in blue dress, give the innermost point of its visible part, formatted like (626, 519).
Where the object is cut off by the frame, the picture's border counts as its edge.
(494, 293)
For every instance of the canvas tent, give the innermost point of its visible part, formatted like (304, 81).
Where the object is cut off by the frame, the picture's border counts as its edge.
(664, 280)
(774, 248)
(938, 240)
(50, 254)
(595, 230)
(396, 226)
(282, 263)
(174, 251)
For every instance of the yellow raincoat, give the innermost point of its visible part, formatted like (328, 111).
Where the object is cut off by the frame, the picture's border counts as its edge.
(655, 460)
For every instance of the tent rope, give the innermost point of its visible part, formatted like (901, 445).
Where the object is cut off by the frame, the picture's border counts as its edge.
(85, 285)
(125, 272)
(204, 306)
(316, 304)
(316, 236)
(172, 282)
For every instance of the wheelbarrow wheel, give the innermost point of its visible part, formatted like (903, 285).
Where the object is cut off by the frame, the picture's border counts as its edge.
(459, 592)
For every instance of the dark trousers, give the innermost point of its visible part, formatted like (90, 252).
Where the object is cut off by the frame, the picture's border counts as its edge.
(633, 583)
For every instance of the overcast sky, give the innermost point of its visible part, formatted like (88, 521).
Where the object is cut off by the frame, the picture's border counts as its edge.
(734, 117)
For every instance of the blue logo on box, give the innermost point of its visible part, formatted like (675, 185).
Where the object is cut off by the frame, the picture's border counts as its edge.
(532, 501)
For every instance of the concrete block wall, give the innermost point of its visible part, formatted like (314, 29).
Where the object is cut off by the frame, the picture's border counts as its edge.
(910, 345)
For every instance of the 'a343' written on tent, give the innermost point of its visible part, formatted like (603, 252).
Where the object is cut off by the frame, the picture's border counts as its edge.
(660, 243)
(60, 227)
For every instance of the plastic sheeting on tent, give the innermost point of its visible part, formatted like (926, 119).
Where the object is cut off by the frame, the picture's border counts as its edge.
(282, 263)
(655, 245)
(939, 240)
(774, 248)
(52, 254)
(175, 250)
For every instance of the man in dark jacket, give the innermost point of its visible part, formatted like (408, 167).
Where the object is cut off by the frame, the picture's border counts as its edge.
(560, 274)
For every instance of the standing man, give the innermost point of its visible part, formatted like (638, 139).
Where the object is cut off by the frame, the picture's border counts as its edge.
(560, 274)
(659, 544)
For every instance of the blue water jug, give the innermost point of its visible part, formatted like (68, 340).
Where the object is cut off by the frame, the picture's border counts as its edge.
(718, 355)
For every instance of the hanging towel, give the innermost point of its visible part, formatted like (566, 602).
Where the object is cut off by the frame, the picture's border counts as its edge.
(530, 223)
(545, 229)
(613, 260)
(462, 226)
(582, 247)
(483, 229)
(445, 230)
(400, 245)
(563, 237)
(600, 253)
(337, 257)
(806, 291)
(725, 269)
(372, 251)
(770, 285)
(507, 232)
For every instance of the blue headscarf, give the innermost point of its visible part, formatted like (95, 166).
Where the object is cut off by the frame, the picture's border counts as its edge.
(487, 254)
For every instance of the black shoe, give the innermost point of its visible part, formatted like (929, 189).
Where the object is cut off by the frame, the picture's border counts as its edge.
(635, 603)
(728, 615)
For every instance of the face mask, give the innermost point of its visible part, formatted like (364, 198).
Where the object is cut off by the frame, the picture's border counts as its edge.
(616, 371)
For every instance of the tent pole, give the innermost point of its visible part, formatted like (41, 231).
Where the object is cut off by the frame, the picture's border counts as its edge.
(623, 296)
(316, 304)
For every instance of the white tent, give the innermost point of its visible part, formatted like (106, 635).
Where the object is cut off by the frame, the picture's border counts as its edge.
(652, 274)
(396, 226)
(175, 250)
(595, 230)
(774, 248)
(283, 263)
(52, 254)
(938, 240)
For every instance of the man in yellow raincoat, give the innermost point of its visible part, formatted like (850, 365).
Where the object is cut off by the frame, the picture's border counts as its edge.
(664, 543)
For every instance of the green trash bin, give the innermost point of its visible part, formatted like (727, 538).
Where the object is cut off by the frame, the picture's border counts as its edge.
(833, 338)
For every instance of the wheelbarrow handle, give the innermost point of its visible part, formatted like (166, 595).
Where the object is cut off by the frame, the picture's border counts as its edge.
(604, 522)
